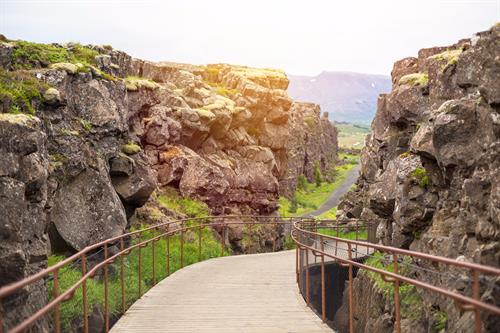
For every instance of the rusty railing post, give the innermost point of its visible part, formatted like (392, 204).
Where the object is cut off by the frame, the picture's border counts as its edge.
(297, 264)
(323, 296)
(222, 238)
(106, 291)
(199, 241)
(476, 295)
(57, 310)
(122, 274)
(182, 244)
(84, 295)
(351, 309)
(168, 254)
(140, 272)
(397, 305)
(307, 276)
(154, 261)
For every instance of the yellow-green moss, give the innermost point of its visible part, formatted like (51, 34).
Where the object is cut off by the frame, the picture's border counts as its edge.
(19, 90)
(131, 148)
(415, 79)
(134, 83)
(420, 175)
(450, 56)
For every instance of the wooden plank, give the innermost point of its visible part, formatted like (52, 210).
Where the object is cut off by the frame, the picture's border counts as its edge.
(247, 293)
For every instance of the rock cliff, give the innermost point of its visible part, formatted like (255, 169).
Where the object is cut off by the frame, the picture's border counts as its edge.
(430, 174)
(88, 133)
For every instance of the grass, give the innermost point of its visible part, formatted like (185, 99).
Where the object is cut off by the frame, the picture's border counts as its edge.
(20, 90)
(415, 79)
(412, 306)
(310, 198)
(329, 215)
(421, 177)
(352, 135)
(171, 199)
(27, 55)
(362, 234)
(95, 287)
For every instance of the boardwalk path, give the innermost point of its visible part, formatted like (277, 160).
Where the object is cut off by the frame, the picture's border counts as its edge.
(250, 293)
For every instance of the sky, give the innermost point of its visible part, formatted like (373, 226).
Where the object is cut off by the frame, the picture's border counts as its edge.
(302, 37)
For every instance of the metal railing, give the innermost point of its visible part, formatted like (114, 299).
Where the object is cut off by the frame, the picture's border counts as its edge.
(323, 239)
(162, 231)
(341, 250)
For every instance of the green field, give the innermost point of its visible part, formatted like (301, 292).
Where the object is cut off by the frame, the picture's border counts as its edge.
(352, 135)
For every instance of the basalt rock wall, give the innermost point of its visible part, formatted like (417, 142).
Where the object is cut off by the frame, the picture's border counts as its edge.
(430, 176)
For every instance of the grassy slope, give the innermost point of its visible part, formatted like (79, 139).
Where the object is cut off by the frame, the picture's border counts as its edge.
(313, 197)
(351, 135)
(95, 287)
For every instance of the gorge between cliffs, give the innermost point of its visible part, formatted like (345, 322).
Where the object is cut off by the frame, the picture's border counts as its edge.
(95, 143)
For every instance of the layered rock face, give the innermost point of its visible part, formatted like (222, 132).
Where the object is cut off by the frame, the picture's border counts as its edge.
(88, 133)
(312, 142)
(430, 173)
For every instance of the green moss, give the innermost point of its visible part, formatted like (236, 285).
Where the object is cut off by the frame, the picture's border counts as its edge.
(310, 122)
(406, 154)
(440, 320)
(131, 148)
(134, 83)
(69, 132)
(450, 56)
(87, 125)
(19, 90)
(420, 175)
(415, 79)
(171, 199)
(28, 55)
(224, 91)
(301, 182)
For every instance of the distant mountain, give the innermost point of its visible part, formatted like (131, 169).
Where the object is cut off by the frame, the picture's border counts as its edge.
(348, 97)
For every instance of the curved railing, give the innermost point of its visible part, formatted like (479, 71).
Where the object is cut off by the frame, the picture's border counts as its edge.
(161, 231)
(345, 252)
(321, 239)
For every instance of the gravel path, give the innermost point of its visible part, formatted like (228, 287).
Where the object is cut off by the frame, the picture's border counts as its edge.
(334, 198)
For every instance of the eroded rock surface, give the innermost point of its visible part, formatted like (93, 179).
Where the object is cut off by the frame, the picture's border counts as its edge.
(430, 174)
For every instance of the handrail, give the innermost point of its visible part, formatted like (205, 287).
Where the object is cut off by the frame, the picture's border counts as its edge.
(466, 303)
(58, 299)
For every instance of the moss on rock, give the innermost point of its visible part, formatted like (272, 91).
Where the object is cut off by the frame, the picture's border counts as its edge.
(131, 148)
(415, 79)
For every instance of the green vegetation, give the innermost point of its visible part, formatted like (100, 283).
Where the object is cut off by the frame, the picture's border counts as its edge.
(318, 177)
(310, 122)
(19, 90)
(28, 55)
(411, 301)
(343, 233)
(450, 56)
(224, 91)
(87, 125)
(131, 148)
(329, 215)
(352, 135)
(170, 199)
(312, 196)
(415, 79)
(134, 83)
(349, 158)
(441, 318)
(421, 177)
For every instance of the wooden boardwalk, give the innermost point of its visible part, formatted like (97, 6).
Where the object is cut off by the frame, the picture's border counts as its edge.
(247, 293)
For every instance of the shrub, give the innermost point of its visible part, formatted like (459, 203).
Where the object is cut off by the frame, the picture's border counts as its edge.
(318, 177)
(294, 205)
(19, 90)
(302, 183)
(420, 175)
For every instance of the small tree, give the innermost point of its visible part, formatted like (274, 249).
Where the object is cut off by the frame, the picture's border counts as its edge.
(294, 205)
(318, 177)
(302, 182)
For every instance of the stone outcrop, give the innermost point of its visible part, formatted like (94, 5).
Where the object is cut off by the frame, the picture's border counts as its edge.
(431, 167)
(23, 193)
(312, 142)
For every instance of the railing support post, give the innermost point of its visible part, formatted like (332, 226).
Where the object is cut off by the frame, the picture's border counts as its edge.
(476, 294)
(140, 272)
(397, 305)
(199, 241)
(57, 310)
(106, 291)
(351, 308)
(182, 244)
(307, 277)
(154, 261)
(84, 295)
(122, 274)
(323, 296)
